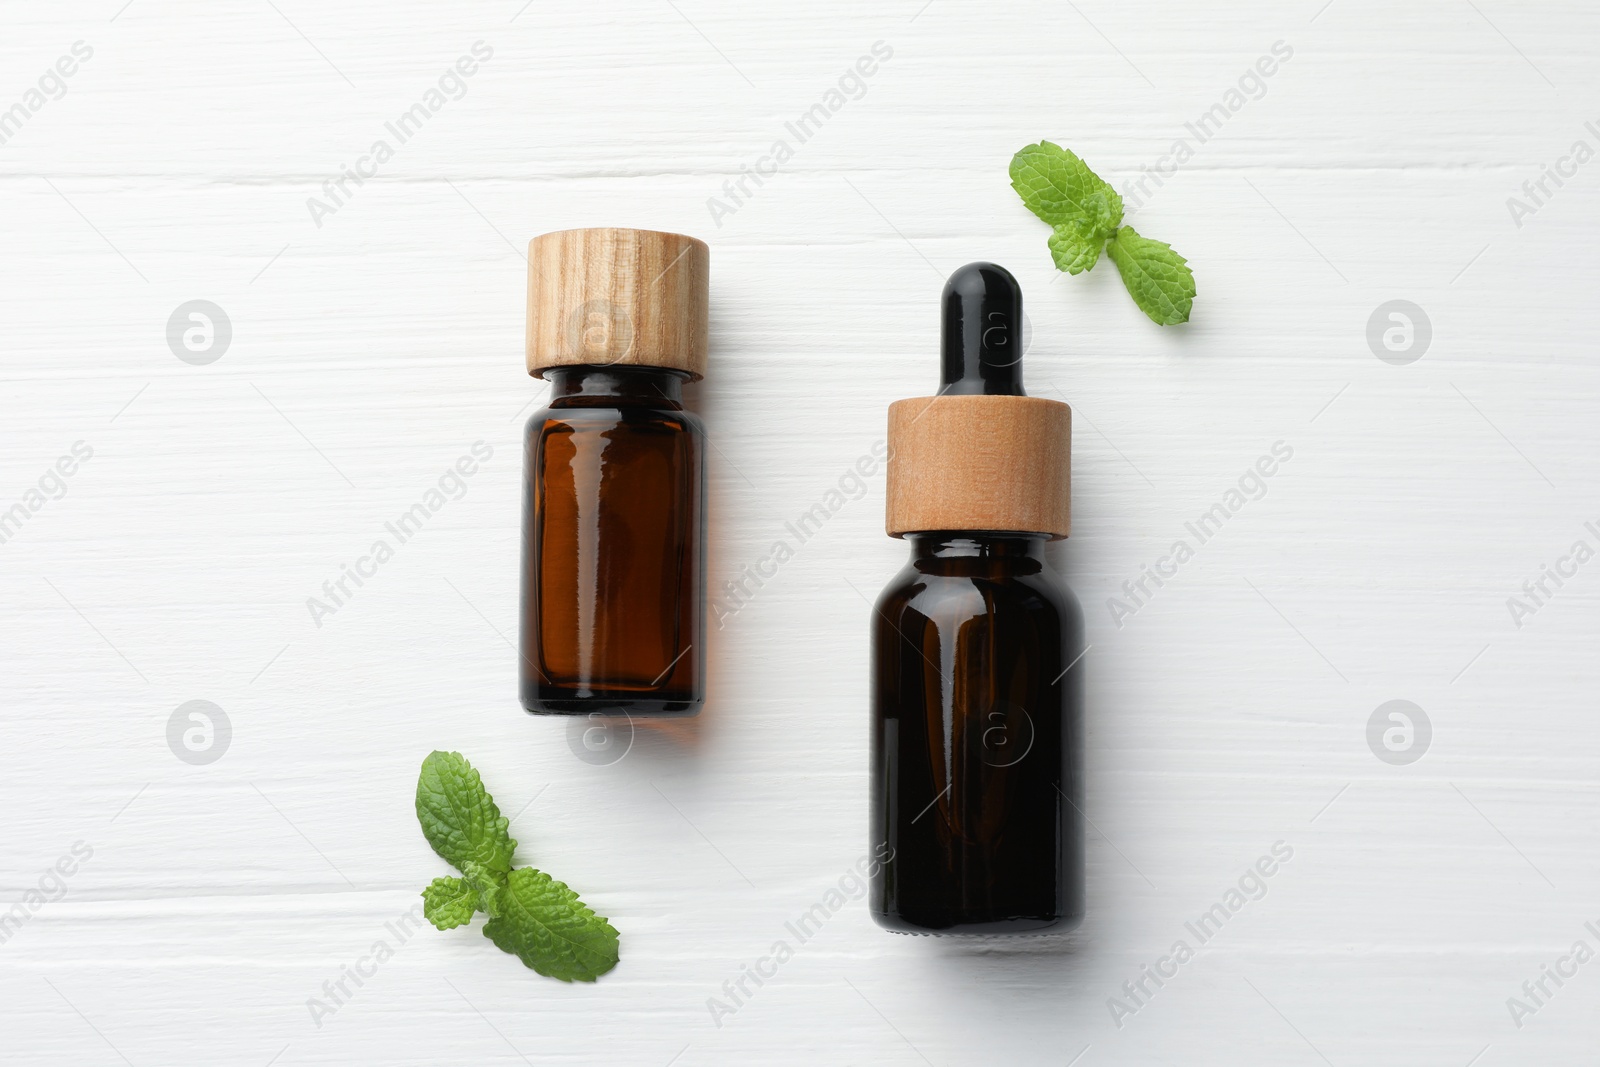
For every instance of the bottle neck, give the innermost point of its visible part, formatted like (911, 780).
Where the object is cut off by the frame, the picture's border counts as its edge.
(578, 386)
(976, 545)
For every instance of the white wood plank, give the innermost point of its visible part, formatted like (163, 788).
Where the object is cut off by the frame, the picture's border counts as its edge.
(371, 351)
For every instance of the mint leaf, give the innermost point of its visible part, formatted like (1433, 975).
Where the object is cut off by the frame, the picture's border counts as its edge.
(448, 903)
(1158, 279)
(1060, 188)
(459, 817)
(1075, 247)
(545, 925)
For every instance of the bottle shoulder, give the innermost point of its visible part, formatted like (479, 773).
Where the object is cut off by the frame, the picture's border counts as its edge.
(565, 419)
(941, 587)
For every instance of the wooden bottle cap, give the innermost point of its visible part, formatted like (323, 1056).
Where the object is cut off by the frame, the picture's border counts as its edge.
(610, 296)
(978, 462)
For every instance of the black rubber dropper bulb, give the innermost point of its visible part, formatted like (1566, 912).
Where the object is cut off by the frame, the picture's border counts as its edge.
(982, 332)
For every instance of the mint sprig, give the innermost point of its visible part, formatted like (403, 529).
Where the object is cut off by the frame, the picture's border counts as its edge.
(531, 915)
(1085, 214)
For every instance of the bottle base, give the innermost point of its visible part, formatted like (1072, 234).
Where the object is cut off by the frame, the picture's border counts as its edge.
(1020, 926)
(646, 707)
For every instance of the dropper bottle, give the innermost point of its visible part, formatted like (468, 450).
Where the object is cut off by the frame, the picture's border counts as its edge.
(975, 684)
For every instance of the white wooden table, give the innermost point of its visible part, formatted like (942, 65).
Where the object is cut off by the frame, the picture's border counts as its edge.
(371, 346)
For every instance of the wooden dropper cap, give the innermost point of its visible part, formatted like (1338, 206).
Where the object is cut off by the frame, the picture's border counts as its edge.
(604, 297)
(981, 455)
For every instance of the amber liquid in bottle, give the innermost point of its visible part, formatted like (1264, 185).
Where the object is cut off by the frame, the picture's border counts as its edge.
(975, 740)
(613, 546)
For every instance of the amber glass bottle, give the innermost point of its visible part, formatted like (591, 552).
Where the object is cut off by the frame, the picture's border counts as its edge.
(614, 517)
(975, 681)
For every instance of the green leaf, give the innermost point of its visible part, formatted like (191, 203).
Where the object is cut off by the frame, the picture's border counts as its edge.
(449, 902)
(1060, 188)
(459, 817)
(1158, 279)
(1075, 248)
(543, 923)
